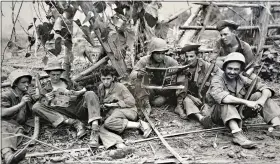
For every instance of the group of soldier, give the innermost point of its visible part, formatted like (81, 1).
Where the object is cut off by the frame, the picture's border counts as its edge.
(112, 109)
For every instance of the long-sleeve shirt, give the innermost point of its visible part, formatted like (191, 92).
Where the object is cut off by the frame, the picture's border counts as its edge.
(221, 87)
(197, 75)
(148, 61)
(118, 93)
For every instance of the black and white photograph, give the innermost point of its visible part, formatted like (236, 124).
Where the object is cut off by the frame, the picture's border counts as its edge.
(140, 82)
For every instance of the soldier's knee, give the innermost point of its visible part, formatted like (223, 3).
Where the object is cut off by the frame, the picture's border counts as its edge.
(90, 94)
(35, 107)
(256, 96)
(109, 122)
(187, 100)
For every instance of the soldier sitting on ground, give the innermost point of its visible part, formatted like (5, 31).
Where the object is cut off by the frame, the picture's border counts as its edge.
(228, 90)
(82, 105)
(190, 104)
(156, 58)
(118, 111)
(16, 106)
(229, 42)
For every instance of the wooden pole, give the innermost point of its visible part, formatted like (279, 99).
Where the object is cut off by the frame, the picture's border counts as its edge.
(185, 36)
(239, 28)
(196, 131)
(180, 159)
(206, 19)
(235, 4)
(262, 33)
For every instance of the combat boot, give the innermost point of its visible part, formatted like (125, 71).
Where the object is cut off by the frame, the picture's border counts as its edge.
(145, 128)
(11, 157)
(206, 122)
(240, 139)
(78, 125)
(94, 136)
(146, 106)
(274, 131)
(179, 108)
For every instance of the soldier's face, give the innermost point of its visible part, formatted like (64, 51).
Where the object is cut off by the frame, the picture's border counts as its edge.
(107, 80)
(227, 36)
(158, 56)
(190, 57)
(23, 84)
(232, 70)
(55, 76)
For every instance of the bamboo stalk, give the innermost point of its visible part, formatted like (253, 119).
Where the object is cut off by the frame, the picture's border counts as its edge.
(183, 35)
(191, 132)
(229, 4)
(206, 19)
(173, 152)
(239, 28)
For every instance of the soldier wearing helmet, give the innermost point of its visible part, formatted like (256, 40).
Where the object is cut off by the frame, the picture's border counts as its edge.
(16, 107)
(229, 42)
(156, 58)
(227, 92)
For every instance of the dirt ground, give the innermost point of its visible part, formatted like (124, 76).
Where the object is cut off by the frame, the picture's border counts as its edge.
(211, 147)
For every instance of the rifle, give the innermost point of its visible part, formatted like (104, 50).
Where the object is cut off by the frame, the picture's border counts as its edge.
(250, 90)
(206, 77)
(42, 92)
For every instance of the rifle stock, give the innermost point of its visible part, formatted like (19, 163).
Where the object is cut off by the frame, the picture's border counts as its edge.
(42, 92)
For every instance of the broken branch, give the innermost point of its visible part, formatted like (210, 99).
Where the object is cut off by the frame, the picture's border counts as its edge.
(173, 152)
(90, 69)
(193, 131)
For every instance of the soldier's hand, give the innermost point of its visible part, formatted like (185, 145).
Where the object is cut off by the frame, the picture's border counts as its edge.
(111, 105)
(141, 73)
(25, 99)
(49, 95)
(254, 105)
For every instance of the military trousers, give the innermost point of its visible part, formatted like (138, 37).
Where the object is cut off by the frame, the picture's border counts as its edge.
(221, 114)
(85, 108)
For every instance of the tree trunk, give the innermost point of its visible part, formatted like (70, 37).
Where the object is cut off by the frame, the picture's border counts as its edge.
(68, 56)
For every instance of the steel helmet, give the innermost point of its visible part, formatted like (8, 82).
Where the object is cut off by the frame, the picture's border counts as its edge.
(16, 74)
(157, 44)
(234, 56)
(54, 64)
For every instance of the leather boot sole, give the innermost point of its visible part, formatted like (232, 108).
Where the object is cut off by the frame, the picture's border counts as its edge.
(249, 146)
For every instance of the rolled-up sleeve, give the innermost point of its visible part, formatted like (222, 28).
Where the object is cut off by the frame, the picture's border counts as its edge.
(217, 91)
(6, 102)
(141, 64)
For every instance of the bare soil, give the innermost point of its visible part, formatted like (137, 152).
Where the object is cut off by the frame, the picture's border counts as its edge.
(212, 147)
